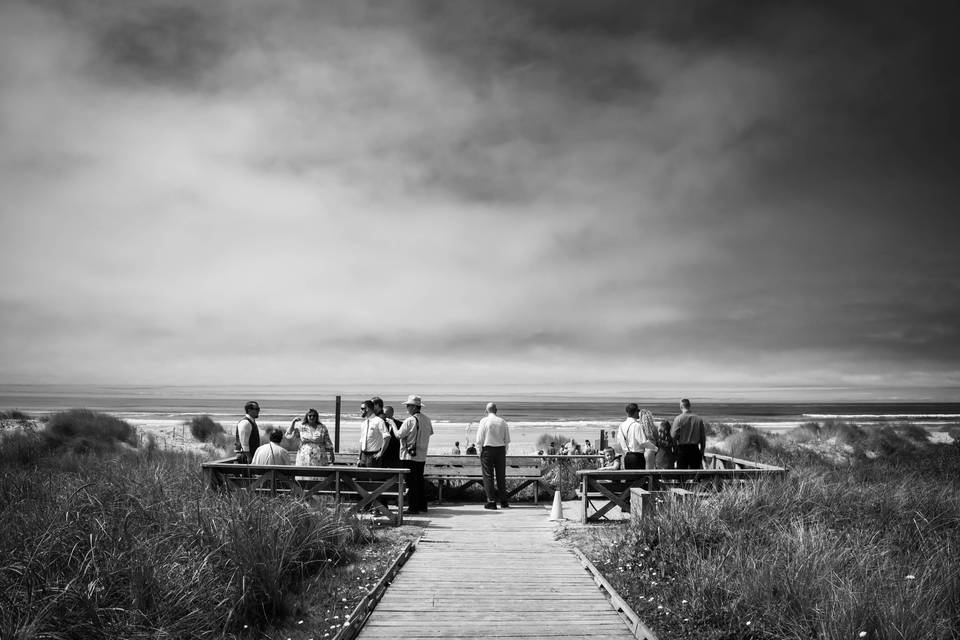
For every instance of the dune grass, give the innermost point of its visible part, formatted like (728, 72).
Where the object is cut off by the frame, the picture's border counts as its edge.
(830, 551)
(204, 428)
(101, 542)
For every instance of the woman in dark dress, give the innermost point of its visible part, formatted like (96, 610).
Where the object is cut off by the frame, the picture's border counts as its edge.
(666, 447)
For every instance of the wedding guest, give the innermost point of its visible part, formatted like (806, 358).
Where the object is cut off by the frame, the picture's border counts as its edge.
(455, 449)
(493, 438)
(374, 437)
(471, 449)
(611, 461)
(247, 433)
(271, 452)
(635, 436)
(666, 456)
(415, 435)
(690, 433)
(391, 457)
(316, 447)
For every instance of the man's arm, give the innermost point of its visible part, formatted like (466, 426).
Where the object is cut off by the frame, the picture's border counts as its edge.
(481, 435)
(621, 440)
(506, 438)
(244, 428)
(385, 432)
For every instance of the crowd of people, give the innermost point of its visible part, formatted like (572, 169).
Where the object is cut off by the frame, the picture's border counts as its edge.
(387, 442)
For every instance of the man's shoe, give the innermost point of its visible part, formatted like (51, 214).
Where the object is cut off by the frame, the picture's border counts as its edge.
(504, 505)
(490, 505)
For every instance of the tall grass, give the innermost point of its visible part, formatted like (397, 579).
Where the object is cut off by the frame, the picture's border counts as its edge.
(823, 553)
(99, 543)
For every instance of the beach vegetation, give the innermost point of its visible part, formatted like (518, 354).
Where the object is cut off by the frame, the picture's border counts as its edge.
(126, 543)
(85, 430)
(864, 549)
(15, 414)
(204, 428)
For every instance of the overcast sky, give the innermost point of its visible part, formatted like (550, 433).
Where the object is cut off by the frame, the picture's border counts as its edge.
(713, 198)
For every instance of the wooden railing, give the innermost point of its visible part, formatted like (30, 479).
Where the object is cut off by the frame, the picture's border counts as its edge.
(614, 487)
(366, 488)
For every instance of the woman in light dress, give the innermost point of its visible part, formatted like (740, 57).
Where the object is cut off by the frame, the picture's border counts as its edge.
(316, 447)
(649, 428)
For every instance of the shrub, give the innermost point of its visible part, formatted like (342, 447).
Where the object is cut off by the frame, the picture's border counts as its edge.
(748, 442)
(203, 428)
(805, 432)
(914, 432)
(85, 430)
(15, 414)
(720, 430)
(544, 440)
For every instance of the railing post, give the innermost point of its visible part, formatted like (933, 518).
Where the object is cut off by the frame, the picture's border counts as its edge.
(336, 427)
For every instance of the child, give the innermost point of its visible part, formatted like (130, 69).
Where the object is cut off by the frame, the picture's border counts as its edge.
(611, 461)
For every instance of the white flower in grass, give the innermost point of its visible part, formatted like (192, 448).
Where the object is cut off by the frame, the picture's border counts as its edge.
(300, 622)
(911, 577)
(749, 622)
(683, 602)
(862, 634)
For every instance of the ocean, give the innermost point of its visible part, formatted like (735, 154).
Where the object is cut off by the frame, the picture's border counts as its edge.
(163, 411)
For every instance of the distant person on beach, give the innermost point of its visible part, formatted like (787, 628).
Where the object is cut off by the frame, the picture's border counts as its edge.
(247, 433)
(272, 452)
(690, 433)
(635, 436)
(455, 449)
(552, 449)
(374, 437)
(415, 435)
(316, 447)
(471, 449)
(588, 448)
(611, 461)
(391, 455)
(666, 456)
(493, 440)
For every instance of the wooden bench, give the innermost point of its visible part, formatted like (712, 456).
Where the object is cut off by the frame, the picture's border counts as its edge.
(613, 487)
(443, 469)
(368, 489)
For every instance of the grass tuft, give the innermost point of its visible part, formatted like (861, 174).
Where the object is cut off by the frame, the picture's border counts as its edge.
(204, 428)
(826, 552)
(100, 543)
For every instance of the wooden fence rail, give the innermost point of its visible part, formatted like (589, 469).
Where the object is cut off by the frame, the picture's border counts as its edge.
(613, 487)
(367, 488)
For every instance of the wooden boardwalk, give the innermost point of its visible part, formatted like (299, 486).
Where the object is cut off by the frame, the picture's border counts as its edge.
(493, 574)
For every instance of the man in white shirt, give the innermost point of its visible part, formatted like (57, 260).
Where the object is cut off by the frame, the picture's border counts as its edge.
(247, 434)
(493, 439)
(374, 437)
(633, 437)
(414, 437)
(272, 452)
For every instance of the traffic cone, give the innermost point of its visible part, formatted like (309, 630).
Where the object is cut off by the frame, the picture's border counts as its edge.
(557, 512)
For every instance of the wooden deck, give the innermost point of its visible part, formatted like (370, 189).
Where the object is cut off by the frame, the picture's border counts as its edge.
(493, 574)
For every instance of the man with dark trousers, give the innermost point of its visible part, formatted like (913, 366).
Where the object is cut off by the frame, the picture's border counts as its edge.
(414, 436)
(690, 433)
(247, 434)
(493, 439)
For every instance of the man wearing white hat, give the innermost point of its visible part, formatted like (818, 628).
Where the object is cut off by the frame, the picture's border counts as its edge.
(414, 436)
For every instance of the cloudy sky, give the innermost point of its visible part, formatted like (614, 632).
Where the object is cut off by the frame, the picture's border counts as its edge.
(661, 197)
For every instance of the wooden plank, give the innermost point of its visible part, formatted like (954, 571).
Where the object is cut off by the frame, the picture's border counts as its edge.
(493, 574)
